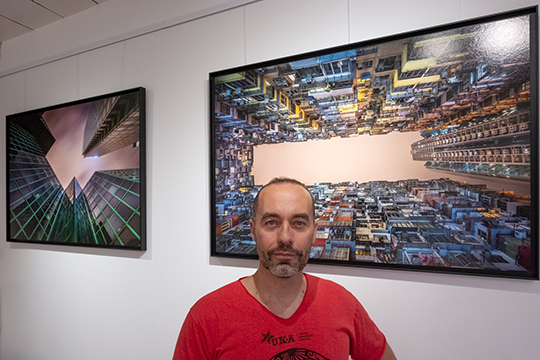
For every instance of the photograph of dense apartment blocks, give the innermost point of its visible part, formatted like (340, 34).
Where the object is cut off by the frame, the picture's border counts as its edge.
(106, 210)
(465, 91)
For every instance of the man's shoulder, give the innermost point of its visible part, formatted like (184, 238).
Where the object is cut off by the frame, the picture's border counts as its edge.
(224, 297)
(330, 289)
(225, 292)
(327, 284)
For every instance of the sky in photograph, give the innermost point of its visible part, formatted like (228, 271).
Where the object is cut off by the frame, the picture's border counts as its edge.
(65, 156)
(362, 158)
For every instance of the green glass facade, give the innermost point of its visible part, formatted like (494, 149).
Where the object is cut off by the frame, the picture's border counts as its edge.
(39, 207)
(115, 205)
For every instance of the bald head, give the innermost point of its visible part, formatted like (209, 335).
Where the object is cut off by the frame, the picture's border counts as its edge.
(282, 181)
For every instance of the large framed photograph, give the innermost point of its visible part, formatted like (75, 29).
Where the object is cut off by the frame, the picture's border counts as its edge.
(76, 173)
(420, 149)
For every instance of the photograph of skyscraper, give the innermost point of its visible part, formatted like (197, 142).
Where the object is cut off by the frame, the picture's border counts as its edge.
(417, 151)
(75, 175)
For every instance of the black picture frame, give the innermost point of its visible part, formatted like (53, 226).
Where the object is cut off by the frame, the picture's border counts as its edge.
(468, 93)
(76, 173)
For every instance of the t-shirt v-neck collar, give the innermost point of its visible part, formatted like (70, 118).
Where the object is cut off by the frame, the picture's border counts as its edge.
(300, 308)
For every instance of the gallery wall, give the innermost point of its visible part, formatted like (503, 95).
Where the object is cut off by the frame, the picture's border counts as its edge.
(63, 303)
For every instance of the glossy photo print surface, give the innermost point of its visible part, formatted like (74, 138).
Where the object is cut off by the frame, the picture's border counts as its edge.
(420, 149)
(76, 173)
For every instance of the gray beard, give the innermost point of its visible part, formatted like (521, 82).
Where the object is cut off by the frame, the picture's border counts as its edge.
(284, 269)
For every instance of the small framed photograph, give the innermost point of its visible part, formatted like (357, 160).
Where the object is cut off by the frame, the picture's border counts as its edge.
(76, 173)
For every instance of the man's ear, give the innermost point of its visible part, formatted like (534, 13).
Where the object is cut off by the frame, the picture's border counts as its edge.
(314, 232)
(252, 229)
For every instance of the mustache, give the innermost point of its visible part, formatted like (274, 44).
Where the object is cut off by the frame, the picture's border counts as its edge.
(285, 248)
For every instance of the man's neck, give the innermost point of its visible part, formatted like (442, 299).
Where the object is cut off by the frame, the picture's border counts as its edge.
(282, 296)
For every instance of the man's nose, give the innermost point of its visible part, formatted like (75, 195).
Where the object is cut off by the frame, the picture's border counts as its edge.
(285, 233)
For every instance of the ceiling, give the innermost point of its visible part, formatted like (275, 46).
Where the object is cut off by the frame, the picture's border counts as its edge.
(21, 16)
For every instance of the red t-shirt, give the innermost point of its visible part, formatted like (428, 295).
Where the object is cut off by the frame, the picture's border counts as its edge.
(230, 324)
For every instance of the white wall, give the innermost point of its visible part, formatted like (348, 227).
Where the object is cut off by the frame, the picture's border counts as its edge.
(64, 303)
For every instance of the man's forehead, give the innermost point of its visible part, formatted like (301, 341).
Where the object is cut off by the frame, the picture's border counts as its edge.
(285, 189)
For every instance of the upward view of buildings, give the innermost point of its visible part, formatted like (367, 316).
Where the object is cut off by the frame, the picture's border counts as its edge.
(106, 212)
(112, 124)
(465, 90)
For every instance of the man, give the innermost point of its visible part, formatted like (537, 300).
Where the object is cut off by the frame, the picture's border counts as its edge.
(279, 312)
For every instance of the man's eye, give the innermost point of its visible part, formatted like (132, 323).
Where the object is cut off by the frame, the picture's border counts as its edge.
(300, 223)
(271, 222)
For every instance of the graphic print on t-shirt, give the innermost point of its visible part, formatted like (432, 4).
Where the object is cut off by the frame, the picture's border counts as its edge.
(298, 354)
(280, 340)
(291, 354)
